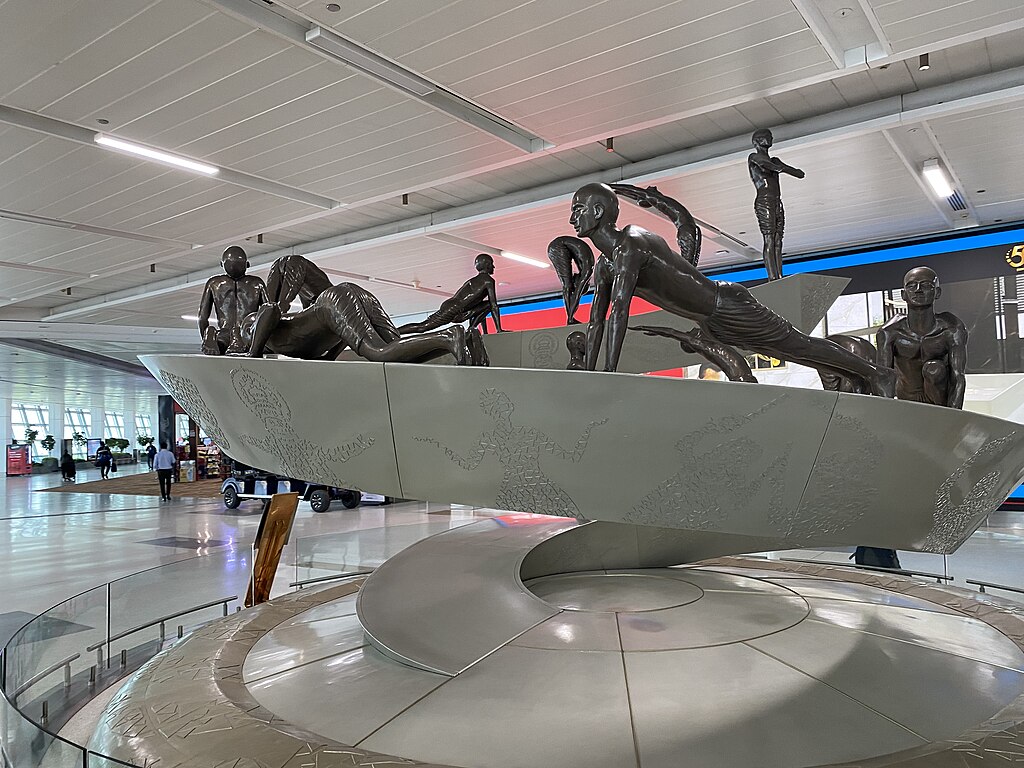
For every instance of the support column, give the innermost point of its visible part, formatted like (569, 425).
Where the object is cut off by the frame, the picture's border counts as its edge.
(165, 421)
(6, 435)
(55, 417)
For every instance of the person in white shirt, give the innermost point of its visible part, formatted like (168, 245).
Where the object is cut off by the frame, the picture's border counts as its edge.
(164, 462)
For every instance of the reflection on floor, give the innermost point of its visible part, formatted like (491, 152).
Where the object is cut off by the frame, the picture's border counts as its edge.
(56, 545)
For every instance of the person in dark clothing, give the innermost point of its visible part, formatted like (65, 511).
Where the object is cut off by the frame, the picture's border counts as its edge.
(150, 453)
(67, 467)
(104, 458)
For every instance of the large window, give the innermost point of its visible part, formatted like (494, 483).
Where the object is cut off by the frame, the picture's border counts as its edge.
(143, 424)
(26, 416)
(77, 420)
(113, 425)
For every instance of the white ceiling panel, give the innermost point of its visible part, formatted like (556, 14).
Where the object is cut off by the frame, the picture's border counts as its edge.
(911, 24)
(975, 144)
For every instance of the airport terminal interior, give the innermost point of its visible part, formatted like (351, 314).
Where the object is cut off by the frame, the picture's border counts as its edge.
(505, 383)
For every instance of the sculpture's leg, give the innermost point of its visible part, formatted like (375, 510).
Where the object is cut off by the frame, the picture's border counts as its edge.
(822, 353)
(436, 320)
(211, 346)
(778, 230)
(267, 318)
(935, 375)
(418, 349)
(477, 351)
(699, 342)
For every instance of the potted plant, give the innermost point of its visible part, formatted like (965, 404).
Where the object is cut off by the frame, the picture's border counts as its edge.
(144, 440)
(30, 440)
(80, 441)
(50, 464)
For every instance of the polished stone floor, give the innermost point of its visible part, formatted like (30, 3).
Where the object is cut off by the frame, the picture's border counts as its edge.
(55, 545)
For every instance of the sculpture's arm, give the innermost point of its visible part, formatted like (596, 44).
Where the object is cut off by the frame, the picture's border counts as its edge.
(581, 445)
(884, 343)
(205, 308)
(621, 297)
(595, 329)
(472, 461)
(957, 367)
(264, 296)
(774, 165)
(492, 298)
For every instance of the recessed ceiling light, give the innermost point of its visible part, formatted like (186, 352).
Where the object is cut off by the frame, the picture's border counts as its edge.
(155, 154)
(936, 177)
(923, 63)
(525, 259)
(721, 252)
(102, 121)
(333, 7)
(981, 191)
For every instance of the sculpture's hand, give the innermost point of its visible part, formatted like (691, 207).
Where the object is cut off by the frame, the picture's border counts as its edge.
(798, 173)
(645, 329)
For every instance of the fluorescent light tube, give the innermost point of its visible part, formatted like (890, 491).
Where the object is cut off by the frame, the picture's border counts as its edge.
(155, 154)
(191, 318)
(525, 260)
(937, 179)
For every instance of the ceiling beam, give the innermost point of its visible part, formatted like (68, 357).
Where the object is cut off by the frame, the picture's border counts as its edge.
(68, 332)
(872, 117)
(64, 352)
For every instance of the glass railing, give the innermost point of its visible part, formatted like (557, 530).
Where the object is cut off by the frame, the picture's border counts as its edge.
(68, 654)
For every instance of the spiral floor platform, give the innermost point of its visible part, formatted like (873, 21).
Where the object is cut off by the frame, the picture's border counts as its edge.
(493, 663)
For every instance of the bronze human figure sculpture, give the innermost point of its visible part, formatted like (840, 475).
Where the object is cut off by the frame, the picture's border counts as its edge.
(635, 261)
(564, 253)
(346, 315)
(928, 349)
(696, 342)
(295, 276)
(576, 343)
(232, 296)
(771, 218)
(688, 234)
(473, 302)
(832, 382)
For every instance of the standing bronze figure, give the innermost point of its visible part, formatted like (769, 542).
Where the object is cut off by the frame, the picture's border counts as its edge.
(637, 262)
(564, 253)
(473, 302)
(576, 343)
(928, 350)
(232, 296)
(771, 218)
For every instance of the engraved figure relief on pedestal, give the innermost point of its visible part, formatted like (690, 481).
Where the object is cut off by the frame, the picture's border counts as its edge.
(719, 471)
(952, 519)
(525, 487)
(297, 456)
(186, 394)
(840, 503)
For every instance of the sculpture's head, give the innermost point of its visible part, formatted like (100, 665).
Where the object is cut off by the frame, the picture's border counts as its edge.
(576, 343)
(921, 287)
(234, 261)
(592, 206)
(485, 263)
(762, 137)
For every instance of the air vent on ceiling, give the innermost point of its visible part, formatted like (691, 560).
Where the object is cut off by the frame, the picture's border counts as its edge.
(956, 202)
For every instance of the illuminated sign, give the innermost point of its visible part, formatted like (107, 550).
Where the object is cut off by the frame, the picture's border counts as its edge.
(1015, 257)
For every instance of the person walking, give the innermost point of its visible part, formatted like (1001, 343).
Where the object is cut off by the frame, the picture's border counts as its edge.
(164, 462)
(104, 458)
(150, 453)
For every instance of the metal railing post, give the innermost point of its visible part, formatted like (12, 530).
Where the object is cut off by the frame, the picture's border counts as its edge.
(108, 625)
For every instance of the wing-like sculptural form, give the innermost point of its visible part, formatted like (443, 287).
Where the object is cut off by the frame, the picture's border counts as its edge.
(564, 253)
(688, 234)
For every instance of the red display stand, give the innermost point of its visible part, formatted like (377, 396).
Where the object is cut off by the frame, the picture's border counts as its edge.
(19, 462)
